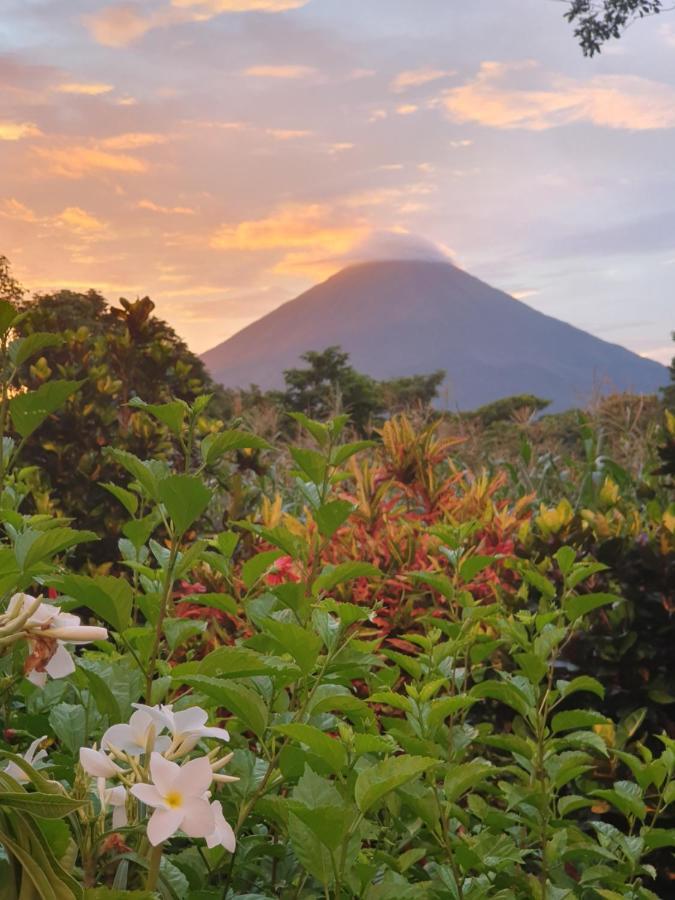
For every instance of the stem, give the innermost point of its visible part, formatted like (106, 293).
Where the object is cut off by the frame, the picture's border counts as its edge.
(163, 609)
(153, 867)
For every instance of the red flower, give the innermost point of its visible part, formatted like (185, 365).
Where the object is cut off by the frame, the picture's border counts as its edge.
(282, 570)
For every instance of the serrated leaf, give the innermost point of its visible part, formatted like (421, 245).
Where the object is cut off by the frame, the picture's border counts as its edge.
(171, 414)
(330, 516)
(44, 806)
(376, 781)
(571, 719)
(128, 499)
(332, 576)
(34, 547)
(329, 749)
(257, 565)
(246, 704)
(576, 607)
(30, 409)
(21, 350)
(302, 644)
(185, 498)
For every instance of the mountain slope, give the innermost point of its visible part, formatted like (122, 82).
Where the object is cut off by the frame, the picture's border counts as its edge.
(400, 318)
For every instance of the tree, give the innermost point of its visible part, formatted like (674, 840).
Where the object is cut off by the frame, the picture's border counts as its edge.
(399, 394)
(117, 354)
(598, 21)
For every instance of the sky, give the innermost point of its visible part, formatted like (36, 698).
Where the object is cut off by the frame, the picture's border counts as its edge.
(221, 156)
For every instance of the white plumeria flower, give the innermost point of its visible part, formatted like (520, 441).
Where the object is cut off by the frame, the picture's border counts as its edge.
(179, 798)
(115, 797)
(48, 630)
(137, 737)
(222, 834)
(33, 756)
(98, 764)
(187, 727)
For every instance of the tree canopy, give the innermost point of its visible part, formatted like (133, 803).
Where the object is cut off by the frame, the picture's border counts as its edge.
(598, 21)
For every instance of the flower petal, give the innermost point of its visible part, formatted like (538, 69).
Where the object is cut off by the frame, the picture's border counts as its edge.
(97, 764)
(195, 778)
(121, 737)
(148, 794)
(163, 823)
(61, 663)
(119, 816)
(219, 733)
(222, 834)
(191, 719)
(165, 774)
(198, 818)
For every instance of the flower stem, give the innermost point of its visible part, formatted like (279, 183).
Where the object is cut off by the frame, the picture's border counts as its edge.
(153, 867)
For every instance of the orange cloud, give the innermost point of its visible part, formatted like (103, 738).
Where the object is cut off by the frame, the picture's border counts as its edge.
(77, 219)
(406, 109)
(15, 131)
(293, 226)
(117, 26)
(287, 134)
(78, 161)
(284, 72)
(214, 7)
(14, 209)
(133, 140)
(165, 210)
(610, 101)
(90, 89)
(417, 77)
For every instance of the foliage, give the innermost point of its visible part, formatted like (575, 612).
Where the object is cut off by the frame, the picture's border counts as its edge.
(598, 21)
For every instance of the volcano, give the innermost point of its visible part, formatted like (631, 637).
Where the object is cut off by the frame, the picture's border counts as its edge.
(406, 317)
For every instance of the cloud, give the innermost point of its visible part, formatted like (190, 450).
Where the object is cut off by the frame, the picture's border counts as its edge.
(117, 26)
(79, 161)
(406, 109)
(611, 101)
(14, 209)
(15, 131)
(165, 210)
(292, 226)
(133, 140)
(90, 89)
(80, 221)
(284, 72)
(412, 78)
(287, 134)
(215, 7)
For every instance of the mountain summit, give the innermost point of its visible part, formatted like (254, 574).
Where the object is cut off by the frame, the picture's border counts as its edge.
(398, 318)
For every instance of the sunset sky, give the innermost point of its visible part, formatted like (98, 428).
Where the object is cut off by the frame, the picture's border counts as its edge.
(223, 155)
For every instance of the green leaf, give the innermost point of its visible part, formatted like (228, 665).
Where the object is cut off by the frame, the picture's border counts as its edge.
(656, 838)
(626, 796)
(246, 704)
(214, 446)
(234, 662)
(69, 723)
(473, 565)
(463, 777)
(572, 719)
(141, 470)
(105, 700)
(29, 410)
(581, 605)
(128, 499)
(330, 516)
(185, 498)
(332, 576)
(447, 706)
(178, 631)
(33, 547)
(302, 644)
(343, 453)
(580, 683)
(171, 414)
(257, 565)
(8, 314)
(505, 693)
(109, 597)
(311, 463)
(565, 557)
(318, 431)
(329, 749)
(376, 781)
(44, 806)
(23, 348)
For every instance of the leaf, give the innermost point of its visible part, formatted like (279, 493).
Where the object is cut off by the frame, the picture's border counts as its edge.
(178, 631)
(29, 410)
(572, 719)
(109, 597)
(581, 605)
(473, 565)
(565, 557)
(185, 498)
(257, 565)
(33, 547)
(8, 314)
(128, 499)
(343, 453)
(318, 431)
(331, 576)
(505, 693)
(302, 644)
(447, 706)
(69, 724)
(105, 700)
(23, 348)
(329, 749)
(234, 662)
(656, 838)
(626, 797)
(463, 777)
(44, 806)
(246, 704)
(214, 446)
(312, 464)
(580, 683)
(330, 516)
(171, 414)
(376, 781)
